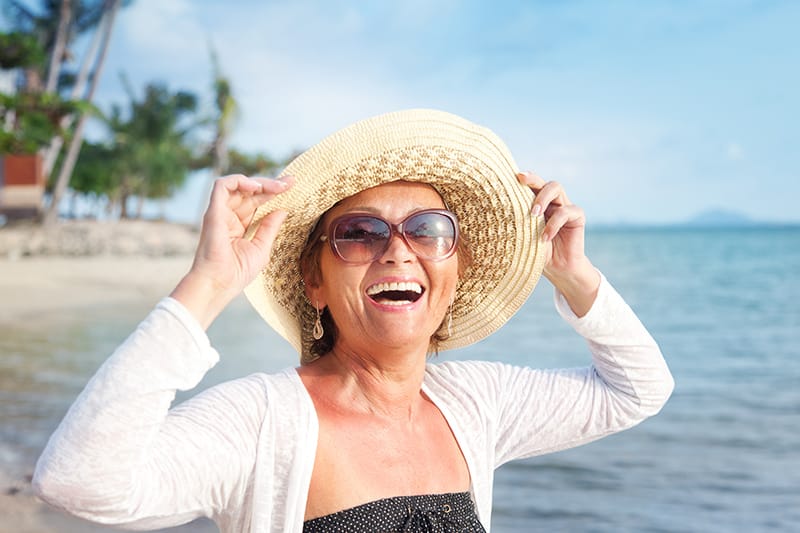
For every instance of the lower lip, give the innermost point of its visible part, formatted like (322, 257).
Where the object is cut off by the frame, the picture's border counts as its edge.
(395, 306)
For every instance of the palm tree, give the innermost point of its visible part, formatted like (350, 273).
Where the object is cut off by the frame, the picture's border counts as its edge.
(149, 151)
(96, 56)
(222, 121)
(220, 157)
(225, 117)
(97, 48)
(59, 46)
(55, 25)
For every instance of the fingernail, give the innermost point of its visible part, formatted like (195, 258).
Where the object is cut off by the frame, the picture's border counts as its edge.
(545, 236)
(537, 209)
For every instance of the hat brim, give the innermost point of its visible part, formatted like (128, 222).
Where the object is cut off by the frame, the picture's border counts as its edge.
(476, 176)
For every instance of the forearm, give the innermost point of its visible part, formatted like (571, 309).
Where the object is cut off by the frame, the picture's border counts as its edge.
(101, 456)
(624, 354)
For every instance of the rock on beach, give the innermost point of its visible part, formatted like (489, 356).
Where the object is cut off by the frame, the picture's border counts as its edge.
(83, 238)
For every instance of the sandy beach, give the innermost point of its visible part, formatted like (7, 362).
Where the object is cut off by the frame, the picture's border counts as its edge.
(83, 263)
(80, 265)
(34, 286)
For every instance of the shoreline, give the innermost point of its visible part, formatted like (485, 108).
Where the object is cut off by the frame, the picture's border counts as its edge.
(34, 287)
(49, 277)
(80, 263)
(42, 290)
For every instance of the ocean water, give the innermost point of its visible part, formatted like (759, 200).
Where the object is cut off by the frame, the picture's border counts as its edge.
(723, 455)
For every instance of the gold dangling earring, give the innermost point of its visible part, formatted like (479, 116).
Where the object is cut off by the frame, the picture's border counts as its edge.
(317, 332)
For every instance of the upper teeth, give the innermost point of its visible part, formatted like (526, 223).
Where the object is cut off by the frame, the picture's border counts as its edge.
(394, 286)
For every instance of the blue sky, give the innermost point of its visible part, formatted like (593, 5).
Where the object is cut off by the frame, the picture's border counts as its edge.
(646, 111)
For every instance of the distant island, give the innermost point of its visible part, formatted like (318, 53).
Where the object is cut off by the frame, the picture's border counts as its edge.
(720, 218)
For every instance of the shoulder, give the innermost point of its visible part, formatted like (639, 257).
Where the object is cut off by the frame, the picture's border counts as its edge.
(485, 380)
(286, 397)
(258, 393)
(283, 387)
(456, 371)
(471, 378)
(259, 405)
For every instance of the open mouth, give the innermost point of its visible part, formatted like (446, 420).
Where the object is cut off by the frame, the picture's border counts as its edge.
(396, 293)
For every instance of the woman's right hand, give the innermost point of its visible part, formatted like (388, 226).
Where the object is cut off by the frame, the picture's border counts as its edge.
(225, 262)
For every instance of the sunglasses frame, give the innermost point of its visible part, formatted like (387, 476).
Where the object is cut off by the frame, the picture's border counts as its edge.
(394, 229)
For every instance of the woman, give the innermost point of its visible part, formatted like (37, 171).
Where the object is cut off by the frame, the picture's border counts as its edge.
(398, 236)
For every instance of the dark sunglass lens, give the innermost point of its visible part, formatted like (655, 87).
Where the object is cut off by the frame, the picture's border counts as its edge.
(360, 239)
(431, 235)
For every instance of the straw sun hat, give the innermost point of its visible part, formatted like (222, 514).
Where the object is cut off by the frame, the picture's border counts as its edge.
(476, 176)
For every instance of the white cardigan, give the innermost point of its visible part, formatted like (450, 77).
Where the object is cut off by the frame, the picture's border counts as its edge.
(242, 452)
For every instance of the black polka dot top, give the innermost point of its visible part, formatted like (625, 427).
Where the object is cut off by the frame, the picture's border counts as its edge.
(429, 513)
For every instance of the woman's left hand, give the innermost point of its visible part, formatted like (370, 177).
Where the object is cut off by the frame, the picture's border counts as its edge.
(567, 266)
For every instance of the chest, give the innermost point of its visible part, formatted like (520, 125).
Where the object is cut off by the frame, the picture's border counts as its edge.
(361, 458)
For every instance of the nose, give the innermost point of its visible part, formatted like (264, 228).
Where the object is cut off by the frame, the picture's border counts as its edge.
(397, 251)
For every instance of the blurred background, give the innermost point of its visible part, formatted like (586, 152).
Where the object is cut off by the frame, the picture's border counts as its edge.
(675, 125)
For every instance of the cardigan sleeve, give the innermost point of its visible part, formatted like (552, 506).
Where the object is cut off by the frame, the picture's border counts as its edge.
(509, 412)
(121, 456)
(548, 410)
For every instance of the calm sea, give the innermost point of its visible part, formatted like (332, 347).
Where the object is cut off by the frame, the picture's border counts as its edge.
(724, 454)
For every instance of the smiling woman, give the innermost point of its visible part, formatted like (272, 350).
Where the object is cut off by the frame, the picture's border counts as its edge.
(430, 234)
(396, 237)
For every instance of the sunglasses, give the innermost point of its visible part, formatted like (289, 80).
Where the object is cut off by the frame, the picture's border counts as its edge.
(359, 238)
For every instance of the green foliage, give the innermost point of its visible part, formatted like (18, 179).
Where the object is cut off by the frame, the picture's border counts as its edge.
(98, 164)
(34, 32)
(149, 152)
(32, 119)
(42, 21)
(20, 50)
(252, 165)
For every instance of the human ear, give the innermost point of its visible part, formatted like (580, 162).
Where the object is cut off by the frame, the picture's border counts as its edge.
(314, 294)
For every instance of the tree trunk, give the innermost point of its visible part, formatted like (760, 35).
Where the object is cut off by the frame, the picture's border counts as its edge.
(57, 54)
(111, 205)
(78, 91)
(73, 206)
(33, 80)
(51, 214)
(123, 204)
(65, 173)
(139, 207)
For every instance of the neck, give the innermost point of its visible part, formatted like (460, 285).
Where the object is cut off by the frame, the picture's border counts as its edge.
(387, 384)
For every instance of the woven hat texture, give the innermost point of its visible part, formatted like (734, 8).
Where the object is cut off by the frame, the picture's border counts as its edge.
(468, 165)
